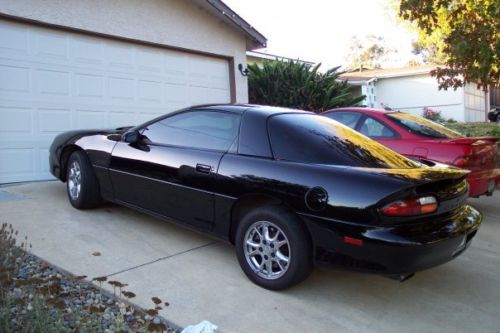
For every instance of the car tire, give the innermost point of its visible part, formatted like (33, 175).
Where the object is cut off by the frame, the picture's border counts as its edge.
(279, 260)
(498, 118)
(81, 182)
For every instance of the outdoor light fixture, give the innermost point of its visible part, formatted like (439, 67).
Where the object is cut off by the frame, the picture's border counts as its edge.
(243, 72)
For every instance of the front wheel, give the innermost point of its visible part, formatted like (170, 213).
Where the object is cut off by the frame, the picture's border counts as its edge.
(273, 248)
(81, 182)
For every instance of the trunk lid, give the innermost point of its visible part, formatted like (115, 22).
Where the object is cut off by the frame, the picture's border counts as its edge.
(447, 184)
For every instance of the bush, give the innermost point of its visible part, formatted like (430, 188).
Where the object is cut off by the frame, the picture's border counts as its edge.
(434, 115)
(298, 85)
(475, 129)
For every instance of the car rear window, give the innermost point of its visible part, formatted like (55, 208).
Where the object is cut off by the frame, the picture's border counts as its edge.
(422, 126)
(315, 139)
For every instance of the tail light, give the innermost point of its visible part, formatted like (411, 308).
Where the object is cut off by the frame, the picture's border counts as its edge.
(479, 155)
(469, 161)
(411, 206)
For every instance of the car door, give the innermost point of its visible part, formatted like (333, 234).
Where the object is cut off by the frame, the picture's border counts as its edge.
(171, 170)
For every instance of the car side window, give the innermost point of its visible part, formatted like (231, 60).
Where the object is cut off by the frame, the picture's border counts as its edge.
(347, 118)
(375, 129)
(195, 129)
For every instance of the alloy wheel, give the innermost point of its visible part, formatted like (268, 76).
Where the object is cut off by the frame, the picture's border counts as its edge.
(267, 250)
(74, 180)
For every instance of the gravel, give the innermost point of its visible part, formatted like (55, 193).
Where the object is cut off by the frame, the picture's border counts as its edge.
(73, 298)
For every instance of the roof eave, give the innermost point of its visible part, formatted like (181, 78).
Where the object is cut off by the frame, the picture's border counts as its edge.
(255, 40)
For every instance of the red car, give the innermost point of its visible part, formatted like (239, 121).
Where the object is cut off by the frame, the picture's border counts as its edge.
(417, 137)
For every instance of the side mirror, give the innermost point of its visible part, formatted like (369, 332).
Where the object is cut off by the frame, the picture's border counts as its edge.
(131, 136)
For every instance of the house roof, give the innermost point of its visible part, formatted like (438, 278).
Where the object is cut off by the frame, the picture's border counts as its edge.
(255, 40)
(268, 56)
(361, 76)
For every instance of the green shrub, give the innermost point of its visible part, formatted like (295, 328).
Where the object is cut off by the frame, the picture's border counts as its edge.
(475, 129)
(297, 85)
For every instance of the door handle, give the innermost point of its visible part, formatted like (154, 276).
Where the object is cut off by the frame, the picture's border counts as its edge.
(203, 168)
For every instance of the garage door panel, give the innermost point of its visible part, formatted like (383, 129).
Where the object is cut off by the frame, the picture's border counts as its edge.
(118, 56)
(52, 81)
(216, 95)
(16, 161)
(15, 120)
(175, 62)
(89, 85)
(86, 50)
(54, 120)
(176, 94)
(150, 61)
(14, 78)
(150, 91)
(118, 119)
(43, 158)
(50, 44)
(91, 119)
(14, 40)
(121, 88)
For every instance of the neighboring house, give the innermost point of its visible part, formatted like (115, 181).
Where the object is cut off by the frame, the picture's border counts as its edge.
(98, 64)
(411, 89)
(254, 57)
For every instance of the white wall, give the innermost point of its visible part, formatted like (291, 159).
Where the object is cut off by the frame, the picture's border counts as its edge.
(413, 93)
(169, 22)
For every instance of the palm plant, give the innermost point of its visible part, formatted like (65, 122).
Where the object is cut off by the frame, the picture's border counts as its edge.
(298, 85)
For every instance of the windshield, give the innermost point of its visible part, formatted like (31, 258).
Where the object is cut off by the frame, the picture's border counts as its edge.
(315, 139)
(422, 126)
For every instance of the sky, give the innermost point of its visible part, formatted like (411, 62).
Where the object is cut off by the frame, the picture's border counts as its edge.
(321, 30)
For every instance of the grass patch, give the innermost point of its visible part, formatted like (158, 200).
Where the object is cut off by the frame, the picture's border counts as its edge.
(475, 129)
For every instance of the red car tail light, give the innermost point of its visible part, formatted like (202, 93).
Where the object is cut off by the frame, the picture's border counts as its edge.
(411, 206)
(469, 161)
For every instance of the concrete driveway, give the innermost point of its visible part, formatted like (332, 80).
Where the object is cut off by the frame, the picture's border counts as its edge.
(201, 279)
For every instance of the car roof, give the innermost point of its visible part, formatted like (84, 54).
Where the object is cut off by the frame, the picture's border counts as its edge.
(264, 110)
(360, 109)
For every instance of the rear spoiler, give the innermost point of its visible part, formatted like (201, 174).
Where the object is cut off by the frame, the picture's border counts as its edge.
(474, 141)
(422, 175)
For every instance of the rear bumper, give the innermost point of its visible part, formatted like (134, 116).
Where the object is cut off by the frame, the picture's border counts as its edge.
(483, 182)
(394, 250)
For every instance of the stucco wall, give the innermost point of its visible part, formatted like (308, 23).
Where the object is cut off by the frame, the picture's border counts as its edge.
(411, 94)
(175, 23)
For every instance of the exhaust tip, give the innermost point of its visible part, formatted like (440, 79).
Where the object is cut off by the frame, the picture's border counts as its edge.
(401, 277)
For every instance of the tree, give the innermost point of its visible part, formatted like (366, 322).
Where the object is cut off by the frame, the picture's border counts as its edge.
(370, 52)
(461, 35)
(298, 85)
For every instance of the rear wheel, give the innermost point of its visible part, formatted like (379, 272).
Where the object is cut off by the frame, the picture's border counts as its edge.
(498, 118)
(273, 248)
(81, 182)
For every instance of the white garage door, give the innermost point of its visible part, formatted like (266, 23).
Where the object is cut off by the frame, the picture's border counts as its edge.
(53, 81)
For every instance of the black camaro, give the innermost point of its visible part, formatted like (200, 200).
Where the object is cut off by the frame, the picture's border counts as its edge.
(289, 188)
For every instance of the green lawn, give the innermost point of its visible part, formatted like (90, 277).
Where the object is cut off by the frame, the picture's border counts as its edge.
(475, 129)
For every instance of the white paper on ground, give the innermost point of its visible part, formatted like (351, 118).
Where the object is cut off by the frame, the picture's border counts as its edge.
(203, 327)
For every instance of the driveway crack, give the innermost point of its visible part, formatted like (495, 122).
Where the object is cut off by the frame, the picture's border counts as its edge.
(163, 258)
